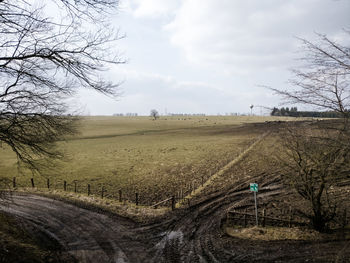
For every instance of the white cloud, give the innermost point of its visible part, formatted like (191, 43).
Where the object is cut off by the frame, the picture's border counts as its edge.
(210, 55)
(153, 8)
(244, 35)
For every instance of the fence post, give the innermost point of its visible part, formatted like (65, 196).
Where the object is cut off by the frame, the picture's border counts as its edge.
(120, 195)
(290, 216)
(264, 217)
(64, 185)
(14, 182)
(102, 192)
(89, 192)
(344, 223)
(48, 183)
(75, 187)
(188, 202)
(173, 203)
(245, 217)
(32, 181)
(137, 198)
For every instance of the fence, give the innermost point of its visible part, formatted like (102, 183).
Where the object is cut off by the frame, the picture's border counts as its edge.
(272, 217)
(101, 190)
(286, 218)
(105, 191)
(249, 219)
(113, 192)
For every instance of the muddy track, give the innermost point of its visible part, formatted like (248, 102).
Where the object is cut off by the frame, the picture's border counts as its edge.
(87, 235)
(196, 235)
(189, 235)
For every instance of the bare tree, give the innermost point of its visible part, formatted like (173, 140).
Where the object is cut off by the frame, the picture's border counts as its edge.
(314, 160)
(318, 157)
(324, 80)
(154, 114)
(45, 59)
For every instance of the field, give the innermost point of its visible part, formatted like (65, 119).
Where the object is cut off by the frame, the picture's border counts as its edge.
(157, 159)
(173, 156)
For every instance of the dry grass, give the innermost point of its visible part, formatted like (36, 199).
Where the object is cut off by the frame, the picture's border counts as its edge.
(275, 233)
(142, 214)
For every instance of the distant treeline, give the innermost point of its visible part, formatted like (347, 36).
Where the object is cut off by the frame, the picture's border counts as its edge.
(185, 114)
(293, 112)
(129, 114)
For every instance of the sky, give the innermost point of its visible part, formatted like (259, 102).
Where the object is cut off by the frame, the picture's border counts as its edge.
(211, 56)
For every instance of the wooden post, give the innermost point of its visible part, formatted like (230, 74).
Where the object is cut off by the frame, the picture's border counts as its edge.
(189, 202)
(245, 217)
(64, 185)
(32, 181)
(102, 192)
(89, 192)
(137, 198)
(14, 182)
(173, 203)
(264, 217)
(120, 195)
(75, 187)
(344, 223)
(290, 216)
(48, 183)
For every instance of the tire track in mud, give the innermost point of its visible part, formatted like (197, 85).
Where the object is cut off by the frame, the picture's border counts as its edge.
(197, 230)
(87, 235)
(92, 237)
(203, 240)
(188, 235)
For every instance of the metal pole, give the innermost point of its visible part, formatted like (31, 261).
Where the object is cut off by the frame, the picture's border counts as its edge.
(256, 209)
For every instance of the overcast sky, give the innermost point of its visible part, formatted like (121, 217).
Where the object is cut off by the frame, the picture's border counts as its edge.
(211, 56)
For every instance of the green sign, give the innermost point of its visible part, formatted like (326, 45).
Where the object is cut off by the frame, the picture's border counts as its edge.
(254, 187)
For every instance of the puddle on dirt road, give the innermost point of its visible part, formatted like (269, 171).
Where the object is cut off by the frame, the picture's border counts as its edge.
(170, 237)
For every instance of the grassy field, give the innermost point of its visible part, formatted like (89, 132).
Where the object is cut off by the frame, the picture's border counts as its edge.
(157, 159)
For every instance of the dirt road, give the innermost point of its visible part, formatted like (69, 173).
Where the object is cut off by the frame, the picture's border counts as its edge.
(188, 235)
(87, 235)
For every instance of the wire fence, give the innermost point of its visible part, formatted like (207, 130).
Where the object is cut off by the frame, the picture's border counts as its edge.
(278, 218)
(101, 190)
(266, 217)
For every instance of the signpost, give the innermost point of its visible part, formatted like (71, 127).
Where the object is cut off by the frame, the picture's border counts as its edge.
(254, 188)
